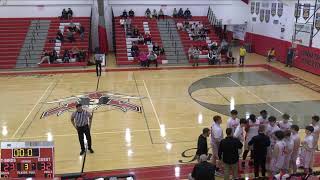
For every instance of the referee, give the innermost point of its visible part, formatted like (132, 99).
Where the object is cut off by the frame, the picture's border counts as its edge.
(81, 119)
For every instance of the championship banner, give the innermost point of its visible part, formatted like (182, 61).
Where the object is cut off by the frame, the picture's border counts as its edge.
(253, 4)
(317, 22)
(280, 9)
(297, 10)
(267, 17)
(273, 9)
(306, 11)
(261, 15)
(257, 7)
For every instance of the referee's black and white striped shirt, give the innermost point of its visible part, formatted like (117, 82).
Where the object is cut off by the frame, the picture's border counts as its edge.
(81, 118)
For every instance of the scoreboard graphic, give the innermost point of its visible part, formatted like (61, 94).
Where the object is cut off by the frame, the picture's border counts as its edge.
(27, 159)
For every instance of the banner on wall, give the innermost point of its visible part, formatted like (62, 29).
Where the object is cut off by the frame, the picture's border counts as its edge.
(273, 9)
(267, 17)
(239, 31)
(306, 11)
(280, 9)
(253, 4)
(257, 8)
(317, 23)
(261, 15)
(308, 59)
(297, 10)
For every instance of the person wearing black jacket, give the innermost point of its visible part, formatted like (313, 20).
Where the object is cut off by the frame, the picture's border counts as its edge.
(260, 144)
(202, 147)
(229, 154)
(203, 170)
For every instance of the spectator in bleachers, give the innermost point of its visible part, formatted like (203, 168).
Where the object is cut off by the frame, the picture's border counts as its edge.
(124, 14)
(45, 57)
(66, 56)
(128, 23)
(64, 14)
(70, 13)
(53, 56)
(212, 56)
(70, 36)
(135, 32)
(179, 26)
(60, 36)
(156, 48)
(180, 13)
(140, 39)
(190, 52)
(187, 14)
(161, 50)
(72, 27)
(148, 13)
(152, 58)
(271, 54)
(214, 46)
(203, 170)
(195, 56)
(161, 14)
(80, 30)
(82, 55)
(122, 22)
(230, 57)
(154, 14)
(134, 50)
(175, 13)
(131, 13)
(143, 58)
(147, 38)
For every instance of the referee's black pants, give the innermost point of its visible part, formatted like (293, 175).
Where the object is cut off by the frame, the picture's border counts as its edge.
(259, 162)
(84, 130)
(98, 68)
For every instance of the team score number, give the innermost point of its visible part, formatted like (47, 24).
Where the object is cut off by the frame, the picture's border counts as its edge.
(44, 166)
(5, 167)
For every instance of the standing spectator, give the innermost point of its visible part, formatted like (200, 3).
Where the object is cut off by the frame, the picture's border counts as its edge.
(64, 14)
(140, 39)
(128, 23)
(228, 153)
(148, 13)
(143, 59)
(175, 13)
(242, 53)
(147, 38)
(70, 13)
(180, 13)
(187, 14)
(82, 121)
(131, 13)
(98, 61)
(124, 13)
(156, 48)
(202, 146)
(196, 54)
(290, 56)
(81, 32)
(190, 52)
(203, 170)
(122, 22)
(161, 14)
(70, 36)
(135, 32)
(155, 14)
(152, 57)
(212, 56)
(260, 144)
(134, 50)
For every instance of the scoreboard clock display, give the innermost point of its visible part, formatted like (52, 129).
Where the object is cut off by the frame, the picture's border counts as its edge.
(27, 159)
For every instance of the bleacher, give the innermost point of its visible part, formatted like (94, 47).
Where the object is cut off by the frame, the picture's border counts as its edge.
(12, 35)
(123, 43)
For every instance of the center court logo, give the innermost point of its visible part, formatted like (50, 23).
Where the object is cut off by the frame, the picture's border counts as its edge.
(92, 101)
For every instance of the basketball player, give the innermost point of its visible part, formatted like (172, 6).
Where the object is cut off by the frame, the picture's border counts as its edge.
(277, 159)
(296, 145)
(285, 124)
(307, 150)
(271, 129)
(252, 130)
(315, 124)
(233, 121)
(238, 133)
(288, 150)
(263, 118)
(216, 137)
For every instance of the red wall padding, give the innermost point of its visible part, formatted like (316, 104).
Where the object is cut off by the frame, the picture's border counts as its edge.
(308, 59)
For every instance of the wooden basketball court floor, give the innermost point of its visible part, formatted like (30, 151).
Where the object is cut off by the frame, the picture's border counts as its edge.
(171, 118)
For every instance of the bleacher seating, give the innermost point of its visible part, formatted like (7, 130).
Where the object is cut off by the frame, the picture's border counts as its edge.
(123, 55)
(12, 35)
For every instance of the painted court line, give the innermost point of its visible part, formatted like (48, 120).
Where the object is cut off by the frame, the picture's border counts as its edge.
(153, 108)
(39, 100)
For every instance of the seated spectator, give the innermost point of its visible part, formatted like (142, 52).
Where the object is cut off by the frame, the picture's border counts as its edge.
(147, 38)
(124, 13)
(161, 14)
(155, 14)
(143, 58)
(66, 56)
(180, 13)
(74, 53)
(122, 22)
(72, 27)
(70, 36)
(179, 26)
(53, 56)
(271, 54)
(81, 32)
(203, 170)
(64, 14)
(135, 32)
(45, 57)
(214, 46)
(187, 14)
(156, 49)
(212, 56)
(161, 50)
(195, 56)
(230, 57)
(140, 39)
(131, 13)
(134, 50)
(70, 13)
(190, 51)
(82, 55)
(148, 13)
(152, 58)
(128, 23)
(175, 13)
(60, 36)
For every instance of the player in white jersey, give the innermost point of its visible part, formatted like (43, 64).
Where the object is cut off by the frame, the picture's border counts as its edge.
(239, 132)
(285, 124)
(315, 124)
(307, 150)
(278, 154)
(263, 118)
(271, 129)
(295, 152)
(252, 130)
(233, 121)
(216, 137)
(288, 150)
